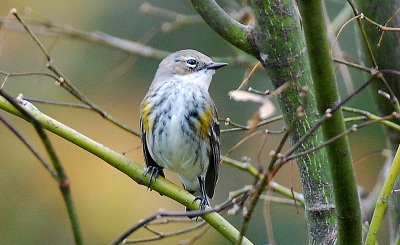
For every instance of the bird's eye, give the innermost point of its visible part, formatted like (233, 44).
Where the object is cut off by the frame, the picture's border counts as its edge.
(192, 63)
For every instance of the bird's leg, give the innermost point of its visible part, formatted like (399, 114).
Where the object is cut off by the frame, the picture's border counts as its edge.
(154, 172)
(203, 198)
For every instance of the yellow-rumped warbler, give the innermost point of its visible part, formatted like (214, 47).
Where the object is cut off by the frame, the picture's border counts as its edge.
(179, 125)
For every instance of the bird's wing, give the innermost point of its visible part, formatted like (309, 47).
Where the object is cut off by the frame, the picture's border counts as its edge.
(212, 172)
(147, 156)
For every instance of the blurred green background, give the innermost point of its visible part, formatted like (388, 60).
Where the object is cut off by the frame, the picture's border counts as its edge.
(31, 207)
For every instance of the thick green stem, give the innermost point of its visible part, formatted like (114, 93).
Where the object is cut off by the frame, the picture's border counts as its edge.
(231, 30)
(340, 161)
(279, 44)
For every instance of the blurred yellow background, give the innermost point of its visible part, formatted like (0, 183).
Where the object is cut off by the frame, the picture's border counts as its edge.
(32, 210)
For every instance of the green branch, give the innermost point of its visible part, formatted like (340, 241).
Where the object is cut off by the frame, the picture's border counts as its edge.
(280, 46)
(344, 183)
(127, 166)
(228, 28)
(276, 40)
(382, 202)
(61, 175)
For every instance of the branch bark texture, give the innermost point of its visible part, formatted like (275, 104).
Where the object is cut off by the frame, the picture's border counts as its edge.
(340, 161)
(279, 44)
(276, 40)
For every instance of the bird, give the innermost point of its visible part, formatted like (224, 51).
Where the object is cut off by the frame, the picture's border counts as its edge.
(179, 123)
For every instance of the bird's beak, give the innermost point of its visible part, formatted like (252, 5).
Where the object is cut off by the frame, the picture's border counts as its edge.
(216, 65)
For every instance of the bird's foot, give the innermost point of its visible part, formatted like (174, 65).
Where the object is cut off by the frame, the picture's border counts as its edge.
(203, 202)
(154, 172)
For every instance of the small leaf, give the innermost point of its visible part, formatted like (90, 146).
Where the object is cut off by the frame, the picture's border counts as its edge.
(266, 109)
(240, 95)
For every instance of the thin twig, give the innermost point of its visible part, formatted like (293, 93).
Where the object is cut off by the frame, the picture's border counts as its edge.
(70, 87)
(268, 221)
(341, 29)
(125, 45)
(229, 203)
(386, 24)
(326, 115)
(195, 237)
(58, 103)
(351, 64)
(20, 74)
(239, 127)
(276, 164)
(371, 116)
(259, 187)
(273, 185)
(44, 162)
(353, 128)
(269, 173)
(242, 141)
(363, 32)
(63, 181)
(178, 19)
(249, 76)
(280, 200)
(161, 235)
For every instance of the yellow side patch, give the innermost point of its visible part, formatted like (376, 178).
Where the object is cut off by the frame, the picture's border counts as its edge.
(147, 122)
(205, 122)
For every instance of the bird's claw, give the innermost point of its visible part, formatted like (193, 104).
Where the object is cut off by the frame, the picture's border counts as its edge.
(153, 171)
(203, 202)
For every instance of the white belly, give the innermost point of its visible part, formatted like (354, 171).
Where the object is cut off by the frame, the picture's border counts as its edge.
(175, 144)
